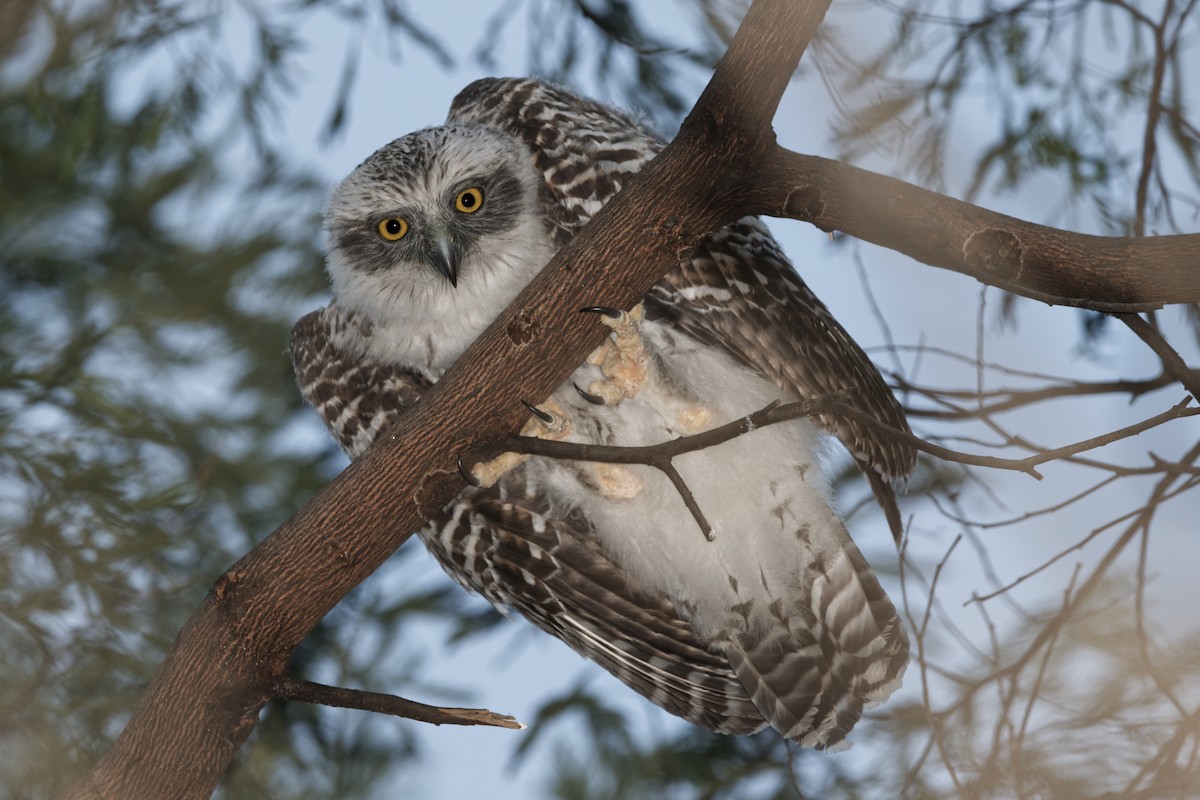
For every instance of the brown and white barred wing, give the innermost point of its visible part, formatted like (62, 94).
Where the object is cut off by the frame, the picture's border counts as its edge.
(505, 543)
(814, 672)
(508, 545)
(738, 292)
(355, 397)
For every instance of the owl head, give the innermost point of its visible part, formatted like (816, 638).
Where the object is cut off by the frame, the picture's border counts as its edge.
(445, 220)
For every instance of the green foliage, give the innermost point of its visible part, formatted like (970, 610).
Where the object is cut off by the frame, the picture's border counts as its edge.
(144, 397)
(1063, 90)
(150, 430)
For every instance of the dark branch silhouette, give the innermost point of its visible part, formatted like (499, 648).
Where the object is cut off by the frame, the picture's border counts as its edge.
(656, 455)
(231, 657)
(288, 688)
(206, 696)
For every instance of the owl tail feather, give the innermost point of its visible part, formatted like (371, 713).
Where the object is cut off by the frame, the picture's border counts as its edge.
(776, 682)
(812, 677)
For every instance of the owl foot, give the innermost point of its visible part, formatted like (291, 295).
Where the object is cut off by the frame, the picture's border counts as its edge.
(616, 482)
(623, 358)
(595, 400)
(549, 421)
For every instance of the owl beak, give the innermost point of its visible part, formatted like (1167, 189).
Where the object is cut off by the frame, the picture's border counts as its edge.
(443, 256)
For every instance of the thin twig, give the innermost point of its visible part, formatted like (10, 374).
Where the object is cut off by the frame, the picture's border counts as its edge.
(1079, 545)
(919, 633)
(1010, 399)
(1173, 363)
(652, 455)
(1157, 496)
(689, 500)
(290, 688)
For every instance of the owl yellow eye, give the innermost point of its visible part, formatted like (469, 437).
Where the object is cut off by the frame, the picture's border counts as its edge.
(392, 229)
(469, 200)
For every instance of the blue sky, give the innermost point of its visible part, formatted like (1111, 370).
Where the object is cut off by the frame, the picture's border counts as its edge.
(919, 304)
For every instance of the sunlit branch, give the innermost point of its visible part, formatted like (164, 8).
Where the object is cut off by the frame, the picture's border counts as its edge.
(289, 688)
(1114, 274)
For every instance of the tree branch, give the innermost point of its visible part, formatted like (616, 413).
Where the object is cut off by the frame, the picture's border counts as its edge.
(1173, 363)
(656, 454)
(1010, 399)
(206, 696)
(289, 688)
(232, 654)
(1102, 273)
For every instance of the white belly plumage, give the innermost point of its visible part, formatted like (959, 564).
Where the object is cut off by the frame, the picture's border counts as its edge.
(761, 492)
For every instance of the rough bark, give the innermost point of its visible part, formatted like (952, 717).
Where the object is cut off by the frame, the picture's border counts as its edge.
(207, 694)
(1102, 273)
(206, 697)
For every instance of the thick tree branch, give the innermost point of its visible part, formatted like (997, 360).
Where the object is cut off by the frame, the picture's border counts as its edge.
(232, 654)
(206, 697)
(1102, 273)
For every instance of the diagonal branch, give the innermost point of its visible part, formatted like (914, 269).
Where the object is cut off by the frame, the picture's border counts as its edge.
(1173, 363)
(289, 688)
(206, 696)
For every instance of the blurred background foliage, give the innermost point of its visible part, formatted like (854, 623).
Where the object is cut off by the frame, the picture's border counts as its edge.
(150, 430)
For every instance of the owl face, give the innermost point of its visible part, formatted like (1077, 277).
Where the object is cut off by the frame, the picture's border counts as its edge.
(440, 214)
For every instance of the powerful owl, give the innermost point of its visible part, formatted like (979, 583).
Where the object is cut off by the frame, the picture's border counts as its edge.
(778, 620)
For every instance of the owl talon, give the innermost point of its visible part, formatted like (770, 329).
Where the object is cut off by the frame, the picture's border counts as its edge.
(547, 421)
(545, 416)
(467, 475)
(591, 398)
(623, 359)
(608, 311)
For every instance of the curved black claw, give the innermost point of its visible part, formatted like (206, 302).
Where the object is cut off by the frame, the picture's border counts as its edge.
(545, 416)
(595, 400)
(466, 473)
(608, 311)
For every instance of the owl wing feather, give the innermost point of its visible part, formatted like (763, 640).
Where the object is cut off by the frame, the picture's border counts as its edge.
(505, 543)
(549, 566)
(738, 292)
(356, 397)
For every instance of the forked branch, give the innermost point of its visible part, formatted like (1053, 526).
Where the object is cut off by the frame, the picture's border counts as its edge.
(1102, 273)
(660, 455)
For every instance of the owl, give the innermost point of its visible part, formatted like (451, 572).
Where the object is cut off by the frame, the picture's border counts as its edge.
(778, 620)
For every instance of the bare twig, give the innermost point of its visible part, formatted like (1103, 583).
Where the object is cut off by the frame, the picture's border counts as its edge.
(660, 455)
(290, 688)
(652, 455)
(1050, 629)
(1079, 545)
(927, 701)
(1173, 363)
(689, 500)
(1010, 399)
